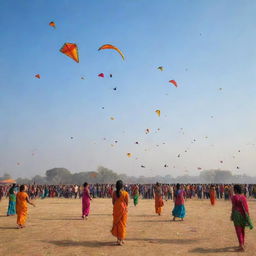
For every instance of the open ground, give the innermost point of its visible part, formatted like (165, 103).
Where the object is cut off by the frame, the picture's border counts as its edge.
(54, 227)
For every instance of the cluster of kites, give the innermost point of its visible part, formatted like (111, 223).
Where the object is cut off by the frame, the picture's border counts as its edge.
(71, 51)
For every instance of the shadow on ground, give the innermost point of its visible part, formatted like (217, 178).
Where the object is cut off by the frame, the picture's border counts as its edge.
(81, 243)
(215, 250)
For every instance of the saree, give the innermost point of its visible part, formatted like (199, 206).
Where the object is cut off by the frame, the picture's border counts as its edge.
(179, 210)
(120, 215)
(21, 208)
(212, 196)
(159, 203)
(135, 196)
(86, 203)
(12, 205)
(240, 212)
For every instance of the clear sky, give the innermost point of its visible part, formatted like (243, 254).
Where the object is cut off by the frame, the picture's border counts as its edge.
(203, 45)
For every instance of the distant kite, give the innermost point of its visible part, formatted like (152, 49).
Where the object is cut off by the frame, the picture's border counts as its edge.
(165, 166)
(115, 88)
(82, 77)
(109, 46)
(52, 24)
(71, 50)
(38, 76)
(112, 118)
(174, 83)
(110, 75)
(161, 68)
(101, 75)
(158, 112)
(129, 154)
(143, 166)
(147, 131)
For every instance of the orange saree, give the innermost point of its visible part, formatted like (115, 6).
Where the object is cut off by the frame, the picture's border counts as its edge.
(21, 208)
(120, 215)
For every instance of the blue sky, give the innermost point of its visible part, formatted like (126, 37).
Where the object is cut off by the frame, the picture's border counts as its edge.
(203, 45)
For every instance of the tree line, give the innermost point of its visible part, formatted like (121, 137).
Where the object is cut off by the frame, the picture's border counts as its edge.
(104, 175)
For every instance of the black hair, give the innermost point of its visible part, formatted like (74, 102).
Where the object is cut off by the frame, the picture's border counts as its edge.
(85, 184)
(238, 189)
(22, 188)
(157, 184)
(178, 186)
(119, 186)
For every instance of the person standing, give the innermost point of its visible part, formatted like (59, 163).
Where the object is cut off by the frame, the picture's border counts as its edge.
(179, 210)
(120, 208)
(212, 195)
(12, 201)
(240, 215)
(135, 194)
(86, 201)
(21, 206)
(159, 203)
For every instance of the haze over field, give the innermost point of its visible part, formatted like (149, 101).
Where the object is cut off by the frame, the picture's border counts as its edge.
(61, 120)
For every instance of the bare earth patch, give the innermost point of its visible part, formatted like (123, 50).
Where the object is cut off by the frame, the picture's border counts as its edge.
(55, 227)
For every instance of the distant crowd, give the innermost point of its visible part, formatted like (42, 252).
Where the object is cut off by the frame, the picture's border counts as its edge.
(146, 191)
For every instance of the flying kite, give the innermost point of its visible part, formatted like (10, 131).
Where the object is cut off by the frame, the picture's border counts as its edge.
(71, 50)
(158, 112)
(221, 162)
(199, 168)
(38, 76)
(137, 142)
(147, 131)
(82, 77)
(161, 68)
(52, 24)
(110, 75)
(112, 118)
(165, 166)
(129, 154)
(115, 88)
(143, 166)
(112, 47)
(101, 75)
(174, 83)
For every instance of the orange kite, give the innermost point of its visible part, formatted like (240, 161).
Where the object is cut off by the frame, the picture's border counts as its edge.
(71, 50)
(52, 24)
(110, 46)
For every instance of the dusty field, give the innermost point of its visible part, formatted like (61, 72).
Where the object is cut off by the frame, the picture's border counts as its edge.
(54, 228)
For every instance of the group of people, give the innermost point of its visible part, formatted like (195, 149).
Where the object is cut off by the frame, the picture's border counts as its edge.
(20, 196)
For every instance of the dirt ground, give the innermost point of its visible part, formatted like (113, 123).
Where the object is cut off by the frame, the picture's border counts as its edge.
(54, 227)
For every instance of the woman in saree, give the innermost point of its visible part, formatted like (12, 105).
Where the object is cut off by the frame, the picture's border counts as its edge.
(120, 208)
(240, 215)
(21, 206)
(86, 201)
(12, 201)
(179, 210)
(159, 203)
(135, 194)
(212, 195)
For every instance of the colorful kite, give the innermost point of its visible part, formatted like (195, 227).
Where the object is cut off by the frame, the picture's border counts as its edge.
(174, 83)
(71, 50)
(161, 68)
(38, 76)
(101, 75)
(109, 46)
(158, 112)
(52, 24)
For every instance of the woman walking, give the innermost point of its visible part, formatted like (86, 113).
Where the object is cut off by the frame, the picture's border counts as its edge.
(240, 215)
(120, 204)
(86, 201)
(179, 210)
(12, 201)
(135, 194)
(21, 206)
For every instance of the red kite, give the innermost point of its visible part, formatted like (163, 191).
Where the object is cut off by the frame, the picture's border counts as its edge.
(101, 75)
(52, 24)
(38, 76)
(174, 83)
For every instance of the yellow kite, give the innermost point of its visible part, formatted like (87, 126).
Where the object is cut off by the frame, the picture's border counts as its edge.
(158, 112)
